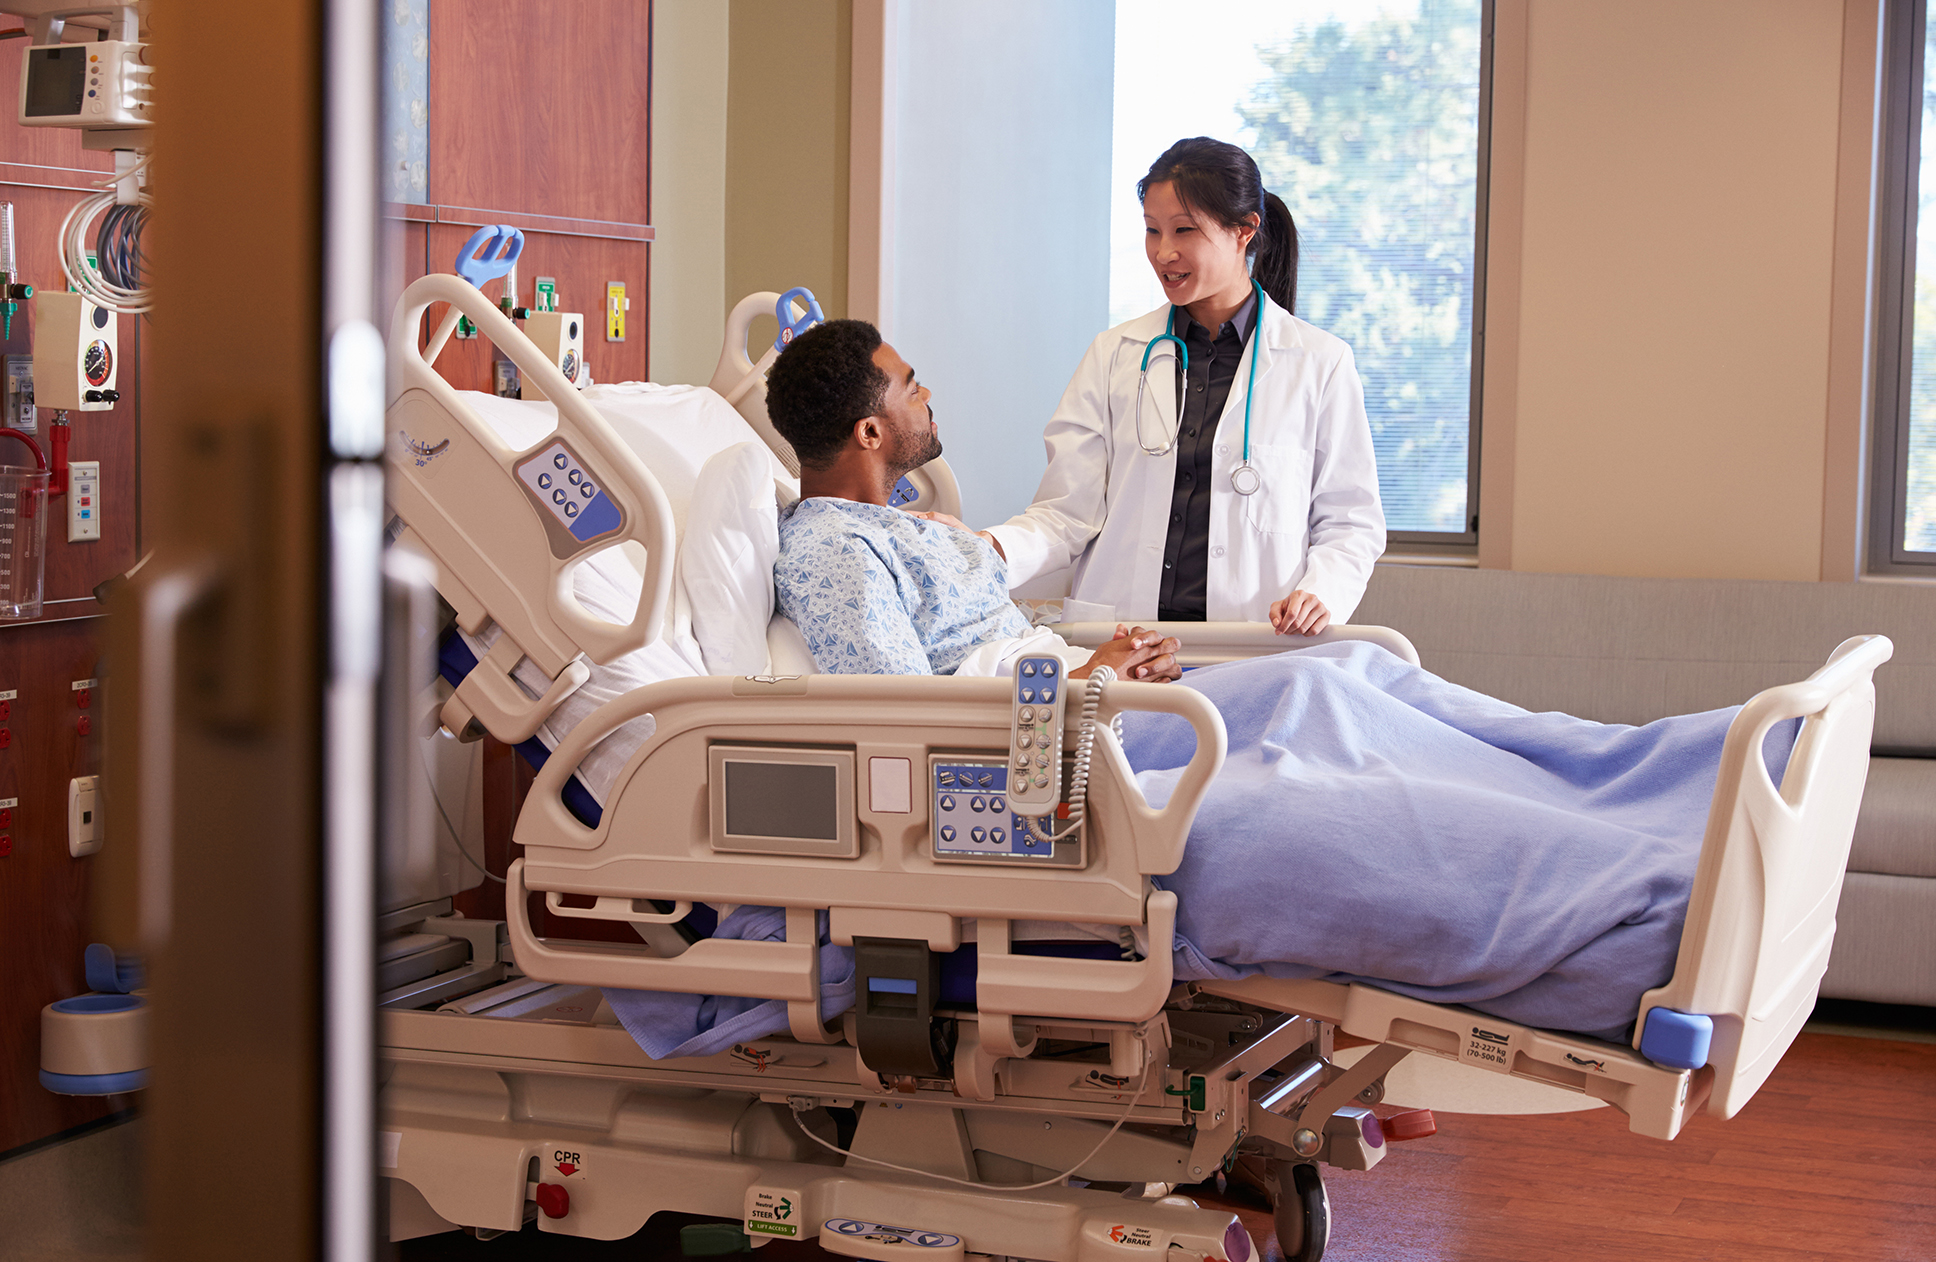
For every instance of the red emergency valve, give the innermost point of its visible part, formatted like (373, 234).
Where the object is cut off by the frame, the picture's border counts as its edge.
(553, 1200)
(85, 726)
(6, 737)
(6, 817)
(6, 711)
(6, 844)
(84, 698)
(1416, 1124)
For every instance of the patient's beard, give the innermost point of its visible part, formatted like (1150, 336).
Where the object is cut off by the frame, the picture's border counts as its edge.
(912, 450)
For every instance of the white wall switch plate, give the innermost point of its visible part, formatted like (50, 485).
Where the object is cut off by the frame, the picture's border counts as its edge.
(83, 816)
(83, 500)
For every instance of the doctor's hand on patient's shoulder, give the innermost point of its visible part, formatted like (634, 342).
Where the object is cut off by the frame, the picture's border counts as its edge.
(1300, 613)
(943, 518)
(1139, 655)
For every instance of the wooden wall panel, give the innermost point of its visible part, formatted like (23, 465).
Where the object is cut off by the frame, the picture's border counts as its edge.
(542, 108)
(581, 266)
(43, 892)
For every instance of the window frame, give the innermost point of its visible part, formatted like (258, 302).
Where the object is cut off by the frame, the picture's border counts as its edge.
(1465, 543)
(1898, 191)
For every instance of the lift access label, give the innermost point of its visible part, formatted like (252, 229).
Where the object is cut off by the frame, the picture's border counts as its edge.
(773, 1211)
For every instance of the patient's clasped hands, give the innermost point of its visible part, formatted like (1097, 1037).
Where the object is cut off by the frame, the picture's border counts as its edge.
(1137, 654)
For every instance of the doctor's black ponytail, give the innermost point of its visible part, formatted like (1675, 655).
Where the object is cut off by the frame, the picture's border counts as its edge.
(1220, 180)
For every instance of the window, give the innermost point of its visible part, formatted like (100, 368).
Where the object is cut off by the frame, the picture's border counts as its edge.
(1366, 117)
(1902, 524)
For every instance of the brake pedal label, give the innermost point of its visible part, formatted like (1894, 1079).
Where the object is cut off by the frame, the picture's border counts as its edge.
(773, 1212)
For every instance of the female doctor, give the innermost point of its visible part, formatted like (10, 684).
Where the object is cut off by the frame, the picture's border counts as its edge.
(1210, 460)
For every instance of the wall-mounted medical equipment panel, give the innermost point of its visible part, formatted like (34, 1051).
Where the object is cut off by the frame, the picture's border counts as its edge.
(104, 84)
(77, 356)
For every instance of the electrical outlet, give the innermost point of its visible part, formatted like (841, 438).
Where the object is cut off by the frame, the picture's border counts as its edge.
(20, 393)
(83, 816)
(83, 500)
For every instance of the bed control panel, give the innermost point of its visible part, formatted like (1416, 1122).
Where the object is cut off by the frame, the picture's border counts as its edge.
(575, 510)
(1036, 744)
(973, 819)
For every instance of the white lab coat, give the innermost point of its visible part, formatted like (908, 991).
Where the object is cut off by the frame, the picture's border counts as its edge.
(1103, 507)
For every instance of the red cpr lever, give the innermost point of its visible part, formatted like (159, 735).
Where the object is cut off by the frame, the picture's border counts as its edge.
(554, 1200)
(1416, 1124)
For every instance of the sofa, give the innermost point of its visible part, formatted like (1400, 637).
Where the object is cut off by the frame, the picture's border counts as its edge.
(1630, 650)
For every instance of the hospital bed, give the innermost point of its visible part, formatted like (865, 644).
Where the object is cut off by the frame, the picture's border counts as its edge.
(1047, 1110)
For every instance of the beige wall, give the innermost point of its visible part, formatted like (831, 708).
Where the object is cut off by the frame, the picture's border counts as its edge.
(1675, 260)
(688, 291)
(786, 149)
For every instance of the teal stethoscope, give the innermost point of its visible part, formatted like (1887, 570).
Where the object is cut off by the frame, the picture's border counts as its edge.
(1244, 479)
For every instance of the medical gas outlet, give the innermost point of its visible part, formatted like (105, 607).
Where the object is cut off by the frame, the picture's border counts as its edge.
(83, 500)
(76, 353)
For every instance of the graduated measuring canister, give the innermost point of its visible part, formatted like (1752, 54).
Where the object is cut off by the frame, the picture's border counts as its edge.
(23, 533)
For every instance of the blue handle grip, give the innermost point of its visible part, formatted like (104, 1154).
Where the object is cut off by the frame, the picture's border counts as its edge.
(791, 328)
(500, 255)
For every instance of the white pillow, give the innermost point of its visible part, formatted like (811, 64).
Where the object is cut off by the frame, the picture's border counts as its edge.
(726, 561)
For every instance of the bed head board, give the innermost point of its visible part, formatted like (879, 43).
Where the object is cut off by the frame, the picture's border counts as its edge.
(506, 527)
(741, 381)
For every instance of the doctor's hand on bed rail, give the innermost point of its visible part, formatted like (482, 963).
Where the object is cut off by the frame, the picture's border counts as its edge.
(1143, 656)
(1300, 613)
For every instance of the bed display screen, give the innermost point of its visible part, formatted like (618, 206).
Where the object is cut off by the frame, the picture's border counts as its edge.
(56, 78)
(783, 799)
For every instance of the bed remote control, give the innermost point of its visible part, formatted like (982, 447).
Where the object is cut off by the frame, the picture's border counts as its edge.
(1035, 787)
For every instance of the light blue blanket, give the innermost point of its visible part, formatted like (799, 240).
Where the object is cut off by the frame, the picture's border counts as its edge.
(1374, 822)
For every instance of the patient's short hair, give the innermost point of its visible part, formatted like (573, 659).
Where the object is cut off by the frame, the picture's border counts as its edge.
(821, 384)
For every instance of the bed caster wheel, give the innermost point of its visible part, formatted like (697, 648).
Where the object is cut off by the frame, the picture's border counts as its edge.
(1303, 1212)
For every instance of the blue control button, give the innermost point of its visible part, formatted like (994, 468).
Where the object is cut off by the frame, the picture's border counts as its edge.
(978, 835)
(544, 481)
(1028, 668)
(557, 497)
(1048, 669)
(947, 832)
(997, 836)
(571, 510)
(1048, 694)
(947, 803)
(977, 804)
(560, 460)
(588, 490)
(985, 779)
(1028, 694)
(997, 805)
(574, 477)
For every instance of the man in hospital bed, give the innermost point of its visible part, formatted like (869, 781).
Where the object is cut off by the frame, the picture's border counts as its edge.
(1372, 822)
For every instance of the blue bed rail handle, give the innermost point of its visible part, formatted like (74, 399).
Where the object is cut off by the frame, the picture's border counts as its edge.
(791, 328)
(1678, 1040)
(506, 243)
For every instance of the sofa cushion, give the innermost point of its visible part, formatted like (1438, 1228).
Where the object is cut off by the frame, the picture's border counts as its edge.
(1631, 650)
(1896, 832)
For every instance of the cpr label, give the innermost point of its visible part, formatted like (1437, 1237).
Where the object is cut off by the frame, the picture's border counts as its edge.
(772, 1212)
(567, 1163)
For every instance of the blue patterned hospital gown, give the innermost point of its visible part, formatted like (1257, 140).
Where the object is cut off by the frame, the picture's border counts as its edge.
(878, 592)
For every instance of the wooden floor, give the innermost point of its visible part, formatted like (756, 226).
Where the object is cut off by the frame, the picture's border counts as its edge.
(1832, 1159)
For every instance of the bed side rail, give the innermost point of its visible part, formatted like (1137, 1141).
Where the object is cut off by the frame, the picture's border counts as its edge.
(741, 381)
(1210, 643)
(653, 841)
(1761, 919)
(505, 527)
